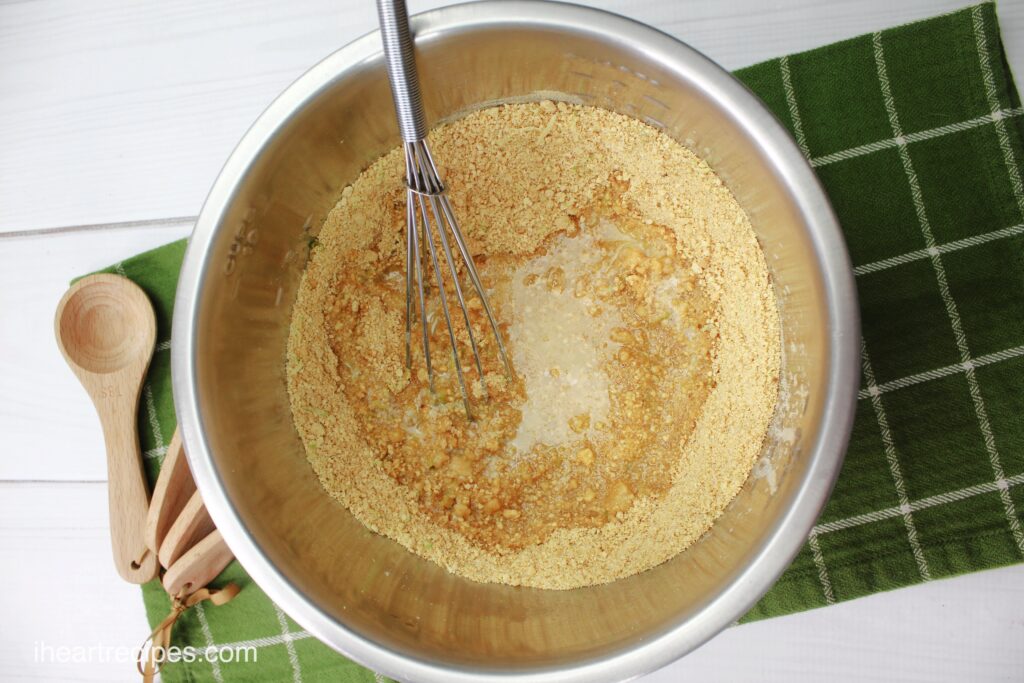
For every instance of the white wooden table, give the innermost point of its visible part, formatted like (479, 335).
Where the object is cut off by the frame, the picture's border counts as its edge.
(115, 118)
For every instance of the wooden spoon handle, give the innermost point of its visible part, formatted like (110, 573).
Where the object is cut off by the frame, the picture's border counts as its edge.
(198, 566)
(173, 489)
(191, 526)
(128, 494)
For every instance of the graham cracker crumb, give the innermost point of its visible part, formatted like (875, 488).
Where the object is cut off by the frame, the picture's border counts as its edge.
(637, 307)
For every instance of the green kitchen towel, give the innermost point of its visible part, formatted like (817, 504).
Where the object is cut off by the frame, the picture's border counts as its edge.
(916, 134)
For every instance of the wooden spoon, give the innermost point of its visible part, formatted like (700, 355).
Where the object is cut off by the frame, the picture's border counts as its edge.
(191, 526)
(174, 487)
(105, 329)
(199, 566)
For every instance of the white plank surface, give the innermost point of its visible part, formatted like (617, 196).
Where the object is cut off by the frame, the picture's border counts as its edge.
(113, 112)
(60, 587)
(964, 629)
(119, 111)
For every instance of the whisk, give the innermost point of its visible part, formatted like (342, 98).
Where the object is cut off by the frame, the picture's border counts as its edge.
(425, 190)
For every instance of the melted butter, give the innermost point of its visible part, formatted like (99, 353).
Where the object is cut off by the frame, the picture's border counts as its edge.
(560, 341)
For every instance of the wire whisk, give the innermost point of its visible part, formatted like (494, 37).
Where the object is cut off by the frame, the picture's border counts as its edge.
(429, 214)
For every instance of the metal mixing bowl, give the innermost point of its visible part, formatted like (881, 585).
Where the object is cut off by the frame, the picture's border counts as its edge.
(364, 594)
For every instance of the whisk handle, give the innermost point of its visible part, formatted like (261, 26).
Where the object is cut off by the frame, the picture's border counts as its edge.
(401, 65)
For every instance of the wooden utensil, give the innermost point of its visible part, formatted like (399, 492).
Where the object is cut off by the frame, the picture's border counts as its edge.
(174, 487)
(199, 565)
(105, 329)
(191, 526)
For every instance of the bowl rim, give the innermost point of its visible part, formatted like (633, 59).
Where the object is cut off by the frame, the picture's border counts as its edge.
(787, 534)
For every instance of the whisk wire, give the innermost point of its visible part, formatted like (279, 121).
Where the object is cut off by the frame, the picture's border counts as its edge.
(474, 276)
(410, 251)
(436, 199)
(415, 264)
(426, 201)
(444, 302)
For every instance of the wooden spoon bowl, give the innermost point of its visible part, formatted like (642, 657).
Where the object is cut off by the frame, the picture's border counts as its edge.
(110, 325)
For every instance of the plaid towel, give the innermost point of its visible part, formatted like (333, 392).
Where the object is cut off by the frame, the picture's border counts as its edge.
(916, 134)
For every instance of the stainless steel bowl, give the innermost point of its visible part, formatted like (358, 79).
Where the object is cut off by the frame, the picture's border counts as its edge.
(365, 595)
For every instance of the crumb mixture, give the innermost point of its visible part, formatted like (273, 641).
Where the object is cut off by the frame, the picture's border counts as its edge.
(638, 314)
